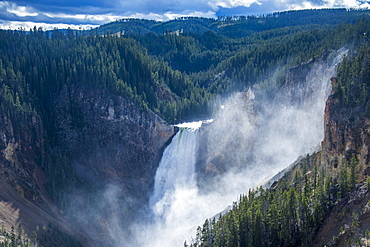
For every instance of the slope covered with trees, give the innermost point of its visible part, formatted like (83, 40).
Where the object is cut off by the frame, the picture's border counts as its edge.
(235, 26)
(191, 68)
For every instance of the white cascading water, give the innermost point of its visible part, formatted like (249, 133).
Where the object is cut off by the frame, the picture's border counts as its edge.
(175, 191)
(176, 169)
(277, 140)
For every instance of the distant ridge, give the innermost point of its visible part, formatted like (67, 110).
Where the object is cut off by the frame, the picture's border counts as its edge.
(234, 26)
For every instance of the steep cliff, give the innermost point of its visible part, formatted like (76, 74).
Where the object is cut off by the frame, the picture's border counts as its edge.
(346, 142)
(110, 138)
(344, 158)
(22, 147)
(346, 135)
(22, 144)
(23, 198)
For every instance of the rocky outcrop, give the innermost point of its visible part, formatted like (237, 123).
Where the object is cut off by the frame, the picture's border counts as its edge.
(21, 145)
(346, 135)
(109, 137)
(22, 155)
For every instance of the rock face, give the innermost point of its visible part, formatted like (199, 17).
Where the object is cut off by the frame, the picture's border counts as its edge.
(110, 138)
(346, 136)
(21, 155)
(21, 151)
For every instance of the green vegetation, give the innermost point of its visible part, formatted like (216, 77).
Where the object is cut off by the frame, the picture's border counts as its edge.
(120, 65)
(235, 26)
(288, 214)
(354, 78)
(176, 76)
(44, 236)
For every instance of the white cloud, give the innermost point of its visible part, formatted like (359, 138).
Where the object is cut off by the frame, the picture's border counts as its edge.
(356, 4)
(86, 17)
(304, 5)
(235, 3)
(22, 11)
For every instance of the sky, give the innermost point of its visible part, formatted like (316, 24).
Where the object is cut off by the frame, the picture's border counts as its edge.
(86, 14)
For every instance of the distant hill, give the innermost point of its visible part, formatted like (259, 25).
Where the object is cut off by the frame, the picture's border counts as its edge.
(234, 26)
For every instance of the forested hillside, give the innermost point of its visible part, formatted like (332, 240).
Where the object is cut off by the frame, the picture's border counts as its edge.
(235, 26)
(178, 70)
(174, 75)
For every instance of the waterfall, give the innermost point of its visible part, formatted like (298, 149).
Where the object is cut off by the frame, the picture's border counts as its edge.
(177, 168)
(175, 193)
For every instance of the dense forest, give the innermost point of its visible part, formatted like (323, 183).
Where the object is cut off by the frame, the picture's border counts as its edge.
(287, 214)
(178, 69)
(235, 26)
(192, 67)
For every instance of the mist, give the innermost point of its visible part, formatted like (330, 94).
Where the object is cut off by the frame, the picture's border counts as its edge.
(252, 137)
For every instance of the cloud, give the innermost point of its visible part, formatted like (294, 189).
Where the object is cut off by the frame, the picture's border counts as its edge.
(234, 3)
(170, 15)
(21, 11)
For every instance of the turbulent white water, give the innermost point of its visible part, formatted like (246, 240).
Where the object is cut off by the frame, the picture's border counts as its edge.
(263, 142)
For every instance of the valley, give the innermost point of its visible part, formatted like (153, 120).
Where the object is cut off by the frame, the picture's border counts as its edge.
(92, 153)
